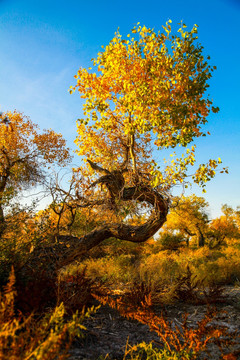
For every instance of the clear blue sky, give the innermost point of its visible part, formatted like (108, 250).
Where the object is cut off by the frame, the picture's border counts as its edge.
(44, 42)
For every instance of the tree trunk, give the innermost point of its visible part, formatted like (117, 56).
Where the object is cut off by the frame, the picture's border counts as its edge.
(201, 239)
(70, 248)
(121, 231)
(2, 220)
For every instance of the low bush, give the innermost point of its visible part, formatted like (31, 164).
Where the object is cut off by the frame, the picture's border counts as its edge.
(170, 241)
(75, 290)
(36, 338)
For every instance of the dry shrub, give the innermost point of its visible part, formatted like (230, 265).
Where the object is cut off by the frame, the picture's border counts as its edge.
(168, 241)
(165, 274)
(31, 338)
(36, 292)
(119, 269)
(75, 290)
(190, 289)
(160, 267)
(175, 341)
(138, 295)
(212, 266)
(187, 287)
(214, 294)
(40, 287)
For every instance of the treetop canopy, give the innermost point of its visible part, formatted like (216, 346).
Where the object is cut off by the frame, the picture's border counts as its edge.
(143, 94)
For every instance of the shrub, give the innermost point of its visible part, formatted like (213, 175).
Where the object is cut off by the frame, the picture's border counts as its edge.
(170, 241)
(27, 338)
(144, 351)
(74, 290)
(161, 267)
(175, 341)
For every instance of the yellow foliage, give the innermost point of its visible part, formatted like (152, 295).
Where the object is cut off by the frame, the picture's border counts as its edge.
(24, 153)
(146, 93)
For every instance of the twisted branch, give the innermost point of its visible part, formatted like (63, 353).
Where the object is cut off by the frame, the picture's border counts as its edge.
(114, 181)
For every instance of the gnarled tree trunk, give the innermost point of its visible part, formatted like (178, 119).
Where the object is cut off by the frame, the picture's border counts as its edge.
(73, 247)
(121, 231)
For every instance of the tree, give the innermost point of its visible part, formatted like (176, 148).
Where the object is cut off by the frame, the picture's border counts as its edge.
(223, 227)
(232, 215)
(189, 217)
(24, 154)
(146, 95)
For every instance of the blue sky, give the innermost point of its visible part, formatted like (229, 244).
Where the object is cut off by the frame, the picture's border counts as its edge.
(43, 43)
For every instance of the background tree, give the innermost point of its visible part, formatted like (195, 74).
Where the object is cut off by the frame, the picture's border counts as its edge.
(231, 214)
(189, 217)
(146, 95)
(24, 154)
(223, 227)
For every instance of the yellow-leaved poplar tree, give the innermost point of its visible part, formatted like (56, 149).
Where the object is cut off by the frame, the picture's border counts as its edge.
(143, 94)
(189, 217)
(24, 153)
